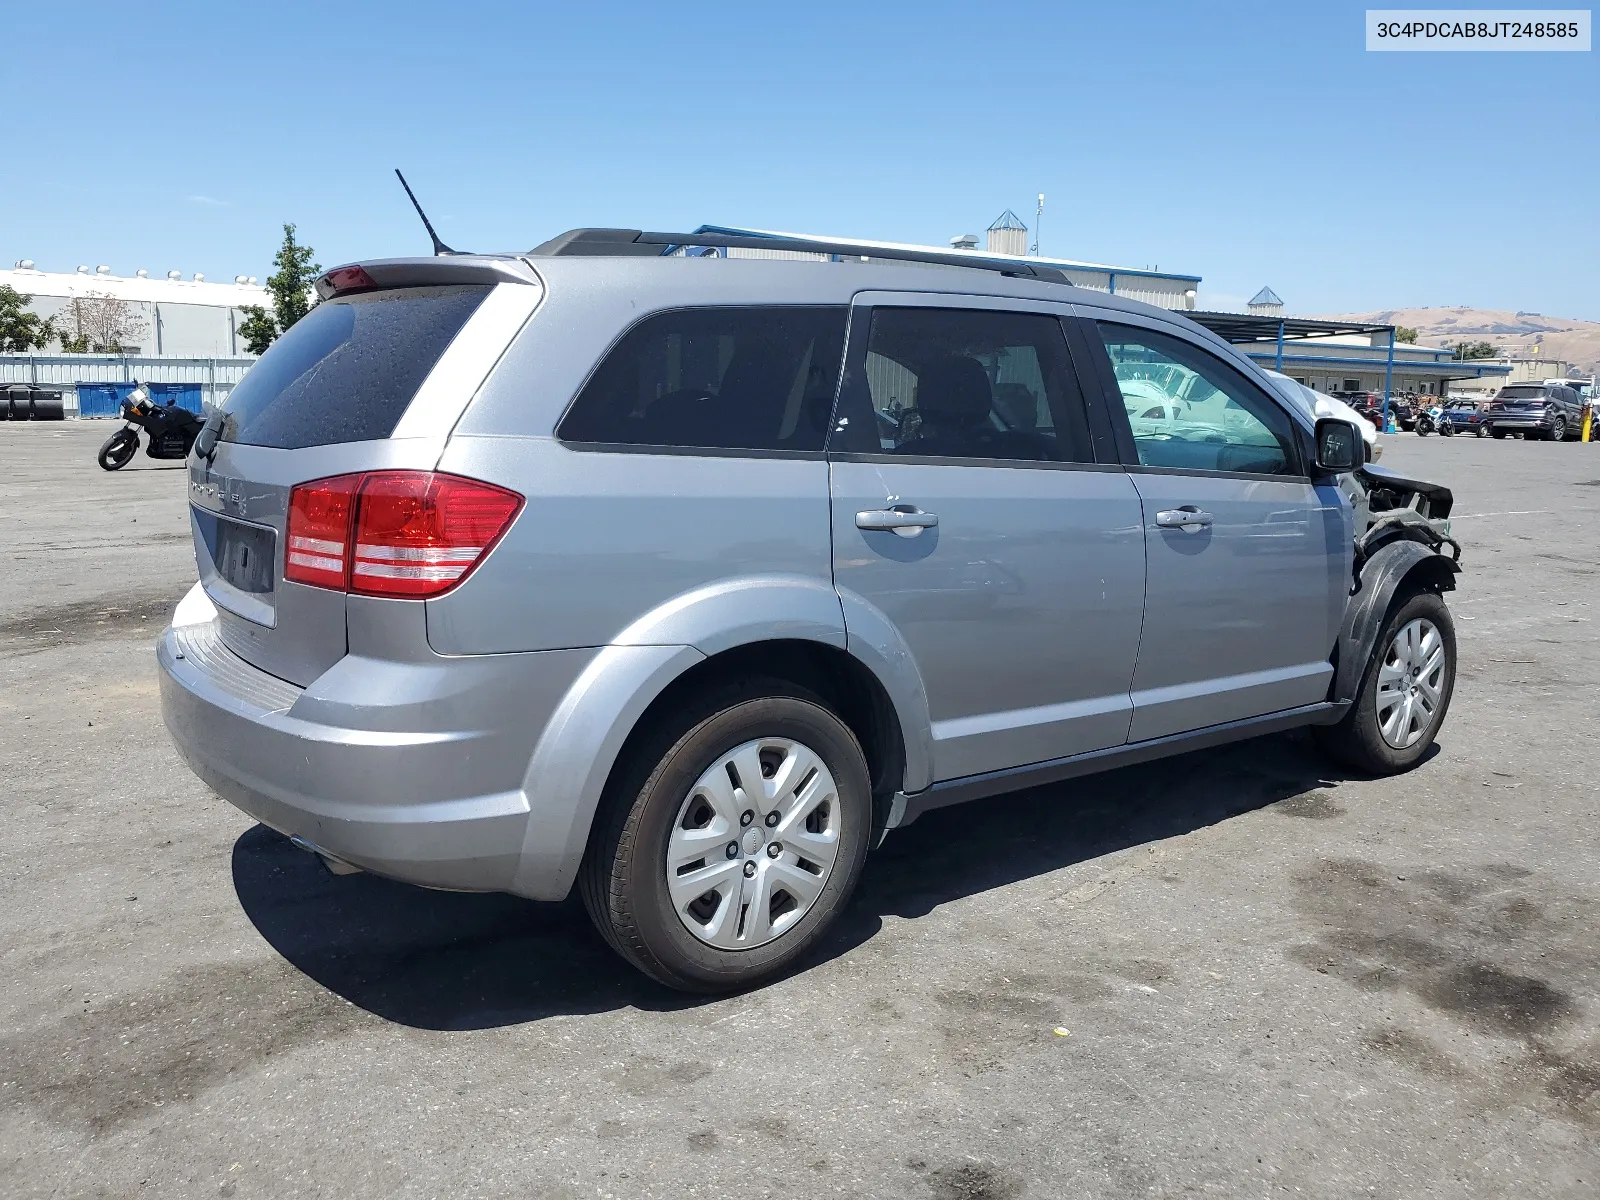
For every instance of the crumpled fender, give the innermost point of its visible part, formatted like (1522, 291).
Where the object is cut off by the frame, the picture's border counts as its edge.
(1389, 568)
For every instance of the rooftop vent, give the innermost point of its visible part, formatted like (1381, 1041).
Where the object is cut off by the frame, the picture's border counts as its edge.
(964, 241)
(141, 273)
(1266, 303)
(199, 278)
(24, 264)
(83, 269)
(174, 275)
(252, 280)
(1008, 235)
(102, 269)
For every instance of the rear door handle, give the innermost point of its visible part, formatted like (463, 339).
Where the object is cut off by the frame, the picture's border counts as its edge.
(1186, 517)
(902, 519)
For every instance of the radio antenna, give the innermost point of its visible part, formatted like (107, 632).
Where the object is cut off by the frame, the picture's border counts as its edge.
(439, 248)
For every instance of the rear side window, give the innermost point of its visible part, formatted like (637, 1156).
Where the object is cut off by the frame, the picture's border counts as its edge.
(960, 383)
(346, 371)
(716, 378)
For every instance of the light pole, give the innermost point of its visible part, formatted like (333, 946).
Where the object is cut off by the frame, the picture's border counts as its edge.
(1038, 219)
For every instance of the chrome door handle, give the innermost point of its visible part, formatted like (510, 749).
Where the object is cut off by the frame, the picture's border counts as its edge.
(902, 519)
(1187, 517)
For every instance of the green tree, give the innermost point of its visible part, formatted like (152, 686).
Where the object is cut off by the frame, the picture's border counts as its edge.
(257, 329)
(1404, 333)
(292, 297)
(21, 330)
(1467, 351)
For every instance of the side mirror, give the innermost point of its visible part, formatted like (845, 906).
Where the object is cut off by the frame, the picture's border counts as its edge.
(1339, 446)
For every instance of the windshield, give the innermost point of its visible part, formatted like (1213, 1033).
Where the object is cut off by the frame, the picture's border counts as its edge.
(347, 370)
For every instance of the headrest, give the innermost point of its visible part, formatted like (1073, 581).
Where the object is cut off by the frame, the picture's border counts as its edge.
(954, 389)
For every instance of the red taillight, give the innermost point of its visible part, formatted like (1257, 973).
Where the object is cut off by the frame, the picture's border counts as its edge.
(412, 534)
(317, 551)
(343, 280)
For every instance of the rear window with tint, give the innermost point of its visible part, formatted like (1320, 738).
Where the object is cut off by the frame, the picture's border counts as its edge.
(716, 378)
(1522, 393)
(346, 371)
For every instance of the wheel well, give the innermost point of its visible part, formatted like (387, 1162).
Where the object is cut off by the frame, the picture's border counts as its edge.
(844, 683)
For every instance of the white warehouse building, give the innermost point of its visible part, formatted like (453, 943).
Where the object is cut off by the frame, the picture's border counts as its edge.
(168, 317)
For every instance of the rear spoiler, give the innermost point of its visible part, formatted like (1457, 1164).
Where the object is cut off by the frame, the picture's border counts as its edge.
(422, 272)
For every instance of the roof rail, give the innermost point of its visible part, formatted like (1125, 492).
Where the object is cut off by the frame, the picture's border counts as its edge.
(637, 243)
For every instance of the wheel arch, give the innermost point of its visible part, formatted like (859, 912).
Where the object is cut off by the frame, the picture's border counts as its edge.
(1398, 568)
(789, 628)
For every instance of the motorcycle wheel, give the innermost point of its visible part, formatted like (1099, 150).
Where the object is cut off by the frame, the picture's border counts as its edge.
(119, 449)
(1423, 428)
(1447, 431)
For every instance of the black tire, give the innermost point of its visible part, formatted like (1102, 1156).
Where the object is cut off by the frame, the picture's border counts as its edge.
(1497, 433)
(1423, 428)
(1482, 431)
(1558, 430)
(623, 880)
(1357, 741)
(1447, 430)
(119, 449)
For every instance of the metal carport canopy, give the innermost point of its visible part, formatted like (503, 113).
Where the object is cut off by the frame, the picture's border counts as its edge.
(1247, 327)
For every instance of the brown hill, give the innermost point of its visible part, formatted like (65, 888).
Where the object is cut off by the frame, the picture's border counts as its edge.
(1563, 338)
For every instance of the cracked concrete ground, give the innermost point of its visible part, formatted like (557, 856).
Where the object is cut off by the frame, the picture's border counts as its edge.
(1269, 978)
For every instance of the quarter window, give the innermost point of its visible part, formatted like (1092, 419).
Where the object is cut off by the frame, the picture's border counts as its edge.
(959, 383)
(716, 378)
(1189, 409)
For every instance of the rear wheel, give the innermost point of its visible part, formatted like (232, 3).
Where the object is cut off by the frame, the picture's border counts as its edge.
(119, 449)
(1404, 694)
(732, 838)
(1499, 433)
(1558, 430)
(1482, 431)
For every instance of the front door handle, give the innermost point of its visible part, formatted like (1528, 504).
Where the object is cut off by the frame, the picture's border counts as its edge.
(902, 519)
(1187, 517)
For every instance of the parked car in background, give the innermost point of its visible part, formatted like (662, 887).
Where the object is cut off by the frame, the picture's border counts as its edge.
(1320, 404)
(681, 582)
(1538, 411)
(1466, 416)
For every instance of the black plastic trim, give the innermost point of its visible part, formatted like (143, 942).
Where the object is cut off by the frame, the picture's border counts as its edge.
(993, 783)
(909, 460)
(689, 451)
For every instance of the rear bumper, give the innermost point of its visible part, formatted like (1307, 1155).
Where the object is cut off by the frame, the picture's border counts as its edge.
(412, 770)
(1519, 423)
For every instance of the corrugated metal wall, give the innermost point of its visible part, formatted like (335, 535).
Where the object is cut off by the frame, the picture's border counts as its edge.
(209, 379)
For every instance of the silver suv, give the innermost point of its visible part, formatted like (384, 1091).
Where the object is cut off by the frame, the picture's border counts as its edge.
(685, 579)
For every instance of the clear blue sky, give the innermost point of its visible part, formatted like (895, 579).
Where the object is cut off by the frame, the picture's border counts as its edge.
(1247, 143)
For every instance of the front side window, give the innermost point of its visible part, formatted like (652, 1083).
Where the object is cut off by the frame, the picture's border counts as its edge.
(959, 383)
(1190, 410)
(716, 378)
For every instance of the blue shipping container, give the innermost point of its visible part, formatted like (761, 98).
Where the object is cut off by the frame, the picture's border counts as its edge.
(105, 399)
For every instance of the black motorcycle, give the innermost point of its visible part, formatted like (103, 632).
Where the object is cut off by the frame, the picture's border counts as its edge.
(171, 431)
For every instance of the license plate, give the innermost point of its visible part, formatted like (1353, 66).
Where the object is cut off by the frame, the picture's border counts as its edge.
(245, 555)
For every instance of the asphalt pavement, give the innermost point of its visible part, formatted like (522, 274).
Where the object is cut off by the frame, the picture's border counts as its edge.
(1236, 973)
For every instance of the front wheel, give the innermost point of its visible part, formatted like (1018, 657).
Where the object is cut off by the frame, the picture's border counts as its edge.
(1447, 430)
(119, 449)
(1424, 427)
(1404, 694)
(730, 839)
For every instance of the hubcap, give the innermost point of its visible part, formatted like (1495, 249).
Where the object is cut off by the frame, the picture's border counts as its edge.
(1411, 684)
(739, 884)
